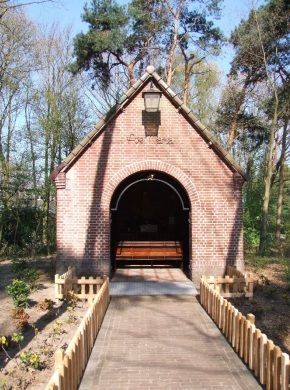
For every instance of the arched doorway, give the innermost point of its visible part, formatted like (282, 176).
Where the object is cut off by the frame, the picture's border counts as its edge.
(150, 214)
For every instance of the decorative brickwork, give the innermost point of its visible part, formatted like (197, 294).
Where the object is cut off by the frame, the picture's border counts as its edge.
(60, 180)
(120, 149)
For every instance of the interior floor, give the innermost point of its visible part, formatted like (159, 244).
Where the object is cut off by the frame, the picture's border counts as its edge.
(146, 274)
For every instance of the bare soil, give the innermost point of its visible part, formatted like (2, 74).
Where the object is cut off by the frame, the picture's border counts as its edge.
(43, 335)
(271, 303)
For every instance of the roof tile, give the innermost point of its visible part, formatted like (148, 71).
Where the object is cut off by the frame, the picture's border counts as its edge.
(144, 77)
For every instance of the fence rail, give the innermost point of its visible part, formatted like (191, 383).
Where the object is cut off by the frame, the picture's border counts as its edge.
(232, 270)
(83, 288)
(70, 364)
(234, 284)
(269, 364)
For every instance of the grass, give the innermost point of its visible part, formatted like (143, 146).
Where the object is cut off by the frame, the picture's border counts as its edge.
(260, 262)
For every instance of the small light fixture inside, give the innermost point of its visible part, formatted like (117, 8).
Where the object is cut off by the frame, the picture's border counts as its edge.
(152, 99)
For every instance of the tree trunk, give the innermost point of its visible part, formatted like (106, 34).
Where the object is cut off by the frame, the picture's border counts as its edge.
(171, 53)
(45, 206)
(186, 83)
(233, 129)
(32, 152)
(267, 183)
(130, 68)
(232, 133)
(281, 184)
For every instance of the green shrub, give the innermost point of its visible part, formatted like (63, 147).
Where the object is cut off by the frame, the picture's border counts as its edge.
(251, 237)
(19, 292)
(31, 359)
(22, 231)
(17, 337)
(71, 315)
(30, 276)
(22, 271)
(3, 341)
(57, 329)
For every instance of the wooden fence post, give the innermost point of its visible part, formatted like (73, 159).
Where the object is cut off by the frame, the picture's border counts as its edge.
(257, 352)
(250, 285)
(277, 368)
(57, 288)
(263, 359)
(58, 364)
(251, 318)
(227, 286)
(270, 364)
(234, 324)
(250, 332)
(251, 346)
(285, 371)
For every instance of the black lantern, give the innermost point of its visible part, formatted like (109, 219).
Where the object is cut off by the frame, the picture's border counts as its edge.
(152, 99)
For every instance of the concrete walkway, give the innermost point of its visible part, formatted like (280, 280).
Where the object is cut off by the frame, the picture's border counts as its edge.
(162, 342)
(151, 281)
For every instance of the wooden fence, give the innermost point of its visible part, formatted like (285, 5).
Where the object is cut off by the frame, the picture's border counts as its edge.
(234, 284)
(262, 356)
(232, 270)
(70, 364)
(83, 288)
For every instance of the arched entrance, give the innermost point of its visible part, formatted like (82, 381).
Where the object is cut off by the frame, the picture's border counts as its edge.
(150, 221)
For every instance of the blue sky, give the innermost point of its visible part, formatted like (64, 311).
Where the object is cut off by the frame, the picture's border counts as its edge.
(68, 13)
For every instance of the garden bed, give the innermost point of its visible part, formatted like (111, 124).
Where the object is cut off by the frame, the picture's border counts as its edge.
(32, 360)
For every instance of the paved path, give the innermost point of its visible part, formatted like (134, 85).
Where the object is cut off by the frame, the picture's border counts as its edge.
(162, 342)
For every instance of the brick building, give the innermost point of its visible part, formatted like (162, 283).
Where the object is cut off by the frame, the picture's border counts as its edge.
(149, 176)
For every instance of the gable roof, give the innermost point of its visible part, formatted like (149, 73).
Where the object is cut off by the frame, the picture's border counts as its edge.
(149, 75)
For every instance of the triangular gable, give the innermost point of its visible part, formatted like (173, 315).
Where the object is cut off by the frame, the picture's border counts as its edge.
(151, 75)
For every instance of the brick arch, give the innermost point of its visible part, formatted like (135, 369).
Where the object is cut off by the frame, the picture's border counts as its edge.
(147, 165)
(197, 215)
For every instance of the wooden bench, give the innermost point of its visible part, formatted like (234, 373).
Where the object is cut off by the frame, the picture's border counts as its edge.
(152, 251)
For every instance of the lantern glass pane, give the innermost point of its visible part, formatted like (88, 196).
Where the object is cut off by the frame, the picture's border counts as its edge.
(151, 101)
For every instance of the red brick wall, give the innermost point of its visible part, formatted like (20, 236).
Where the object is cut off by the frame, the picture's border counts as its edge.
(83, 206)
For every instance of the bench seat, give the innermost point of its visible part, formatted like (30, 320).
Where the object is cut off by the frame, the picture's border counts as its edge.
(149, 250)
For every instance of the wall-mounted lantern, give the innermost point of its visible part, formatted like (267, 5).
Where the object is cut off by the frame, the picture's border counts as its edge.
(152, 99)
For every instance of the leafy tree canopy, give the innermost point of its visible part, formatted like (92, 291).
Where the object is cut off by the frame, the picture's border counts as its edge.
(117, 35)
(263, 37)
(198, 29)
(141, 31)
